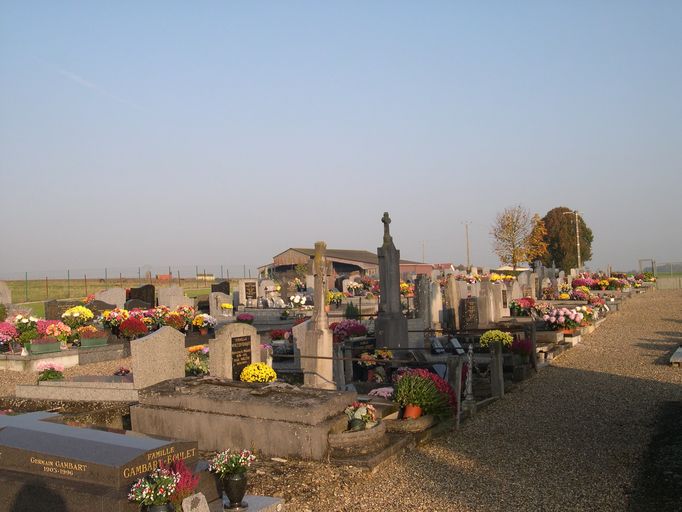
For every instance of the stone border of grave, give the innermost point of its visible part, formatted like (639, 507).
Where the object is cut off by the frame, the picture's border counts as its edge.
(362, 442)
(66, 358)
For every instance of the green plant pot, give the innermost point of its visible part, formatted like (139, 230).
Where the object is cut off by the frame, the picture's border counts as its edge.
(43, 348)
(356, 424)
(93, 342)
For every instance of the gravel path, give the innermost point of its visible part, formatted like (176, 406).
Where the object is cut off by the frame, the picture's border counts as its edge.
(569, 439)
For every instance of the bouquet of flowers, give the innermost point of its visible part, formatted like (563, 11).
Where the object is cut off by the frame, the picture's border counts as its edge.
(175, 321)
(155, 488)
(279, 334)
(114, 317)
(297, 301)
(26, 327)
(245, 318)
(406, 289)
(197, 361)
(187, 312)
(365, 414)
(77, 316)
(367, 360)
(158, 315)
(355, 287)
(226, 463)
(347, 329)
(204, 321)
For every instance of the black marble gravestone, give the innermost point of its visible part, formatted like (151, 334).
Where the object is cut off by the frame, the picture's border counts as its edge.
(469, 314)
(137, 304)
(98, 307)
(47, 465)
(145, 293)
(54, 309)
(221, 286)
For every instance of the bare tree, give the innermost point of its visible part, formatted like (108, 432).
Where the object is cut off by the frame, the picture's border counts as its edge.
(511, 234)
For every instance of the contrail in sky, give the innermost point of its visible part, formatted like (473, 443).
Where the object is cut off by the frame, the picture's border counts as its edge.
(90, 85)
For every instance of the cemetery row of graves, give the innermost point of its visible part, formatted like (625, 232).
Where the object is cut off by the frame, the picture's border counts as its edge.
(294, 369)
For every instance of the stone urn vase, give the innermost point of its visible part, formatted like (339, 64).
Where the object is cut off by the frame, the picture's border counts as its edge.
(234, 486)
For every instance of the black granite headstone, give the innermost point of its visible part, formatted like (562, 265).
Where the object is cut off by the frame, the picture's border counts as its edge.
(145, 293)
(222, 287)
(98, 307)
(241, 355)
(469, 314)
(54, 309)
(59, 462)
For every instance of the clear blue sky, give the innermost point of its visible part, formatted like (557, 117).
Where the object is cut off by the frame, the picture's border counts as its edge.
(183, 133)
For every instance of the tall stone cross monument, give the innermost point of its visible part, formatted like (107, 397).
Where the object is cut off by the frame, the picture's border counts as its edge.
(318, 373)
(391, 324)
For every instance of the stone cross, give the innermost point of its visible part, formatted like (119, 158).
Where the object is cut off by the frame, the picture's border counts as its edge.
(387, 234)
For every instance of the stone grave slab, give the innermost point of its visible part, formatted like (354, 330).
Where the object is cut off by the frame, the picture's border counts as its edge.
(174, 296)
(281, 420)
(80, 469)
(136, 304)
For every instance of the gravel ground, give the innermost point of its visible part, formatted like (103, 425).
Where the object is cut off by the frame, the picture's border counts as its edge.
(569, 439)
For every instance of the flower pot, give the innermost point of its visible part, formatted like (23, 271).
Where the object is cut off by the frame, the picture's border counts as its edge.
(234, 486)
(93, 342)
(412, 412)
(159, 508)
(356, 424)
(43, 348)
(24, 350)
(203, 331)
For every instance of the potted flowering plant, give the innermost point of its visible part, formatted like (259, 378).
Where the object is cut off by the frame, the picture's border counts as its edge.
(186, 312)
(8, 335)
(418, 394)
(245, 318)
(488, 338)
(50, 371)
(155, 490)
(77, 316)
(91, 336)
(563, 319)
(58, 330)
(226, 308)
(197, 361)
(258, 372)
(113, 318)
(203, 323)
(522, 348)
(522, 306)
(176, 321)
(44, 345)
(230, 469)
(360, 416)
(27, 328)
(133, 328)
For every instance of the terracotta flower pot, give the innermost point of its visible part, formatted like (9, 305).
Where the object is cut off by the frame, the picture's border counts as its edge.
(412, 412)
(203, 331)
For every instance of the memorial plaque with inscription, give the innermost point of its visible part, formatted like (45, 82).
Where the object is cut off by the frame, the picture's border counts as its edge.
(54, 309)
(469, 313)
(505, 303)
(250, 290)
(241, 355)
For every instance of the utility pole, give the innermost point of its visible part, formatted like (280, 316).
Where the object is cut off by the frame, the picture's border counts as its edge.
(577, 234)
(466, 234)
(423, 252)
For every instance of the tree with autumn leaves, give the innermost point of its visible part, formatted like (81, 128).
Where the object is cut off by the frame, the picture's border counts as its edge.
(519, 238)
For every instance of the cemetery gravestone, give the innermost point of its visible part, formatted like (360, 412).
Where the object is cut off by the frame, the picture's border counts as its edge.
(98, 307)
(221, 286)
(215, 299)
(5, 293)
(391, 324)
(174, 296)
(452, 298)
(145, 293)
(116, 296)
(158, 356)
(470, 313)
(436, 307)
(486, 305)
(136, 304)
(266, 286)
(235, 346)
(54, 309)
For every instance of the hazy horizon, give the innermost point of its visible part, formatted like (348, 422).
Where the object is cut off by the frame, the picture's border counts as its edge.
(224, 133)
